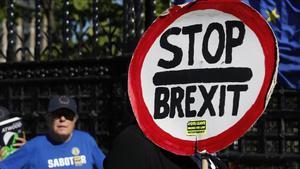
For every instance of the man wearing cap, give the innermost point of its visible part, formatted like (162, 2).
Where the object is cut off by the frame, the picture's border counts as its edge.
(61, 147)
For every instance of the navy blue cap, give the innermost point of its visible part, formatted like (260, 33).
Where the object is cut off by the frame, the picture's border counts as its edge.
(4, 113)
(62, 102)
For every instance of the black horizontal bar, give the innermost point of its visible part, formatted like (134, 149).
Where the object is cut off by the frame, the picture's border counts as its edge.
(208, 75)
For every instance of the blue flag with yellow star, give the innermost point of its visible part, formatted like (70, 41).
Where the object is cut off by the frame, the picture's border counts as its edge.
(284, 18)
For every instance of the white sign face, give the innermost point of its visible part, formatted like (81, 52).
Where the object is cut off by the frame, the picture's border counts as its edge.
(180, 102)
(202, 75)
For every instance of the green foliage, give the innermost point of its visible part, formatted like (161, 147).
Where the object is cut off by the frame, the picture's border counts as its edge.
(81, 5)
(161, 6)
(111, 22)
(2, 10)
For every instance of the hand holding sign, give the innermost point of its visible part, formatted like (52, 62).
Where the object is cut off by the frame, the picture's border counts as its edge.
(202, 75)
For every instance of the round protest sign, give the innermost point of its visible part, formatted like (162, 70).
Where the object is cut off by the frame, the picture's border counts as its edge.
(202, 75)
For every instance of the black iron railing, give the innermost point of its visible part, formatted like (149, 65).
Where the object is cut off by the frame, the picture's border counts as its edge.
(70, 29)
(99, 87)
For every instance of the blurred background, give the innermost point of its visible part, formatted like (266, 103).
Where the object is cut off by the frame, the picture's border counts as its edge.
(83, 49)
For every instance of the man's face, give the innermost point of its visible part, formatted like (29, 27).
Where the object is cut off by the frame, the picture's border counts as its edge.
(62, 123)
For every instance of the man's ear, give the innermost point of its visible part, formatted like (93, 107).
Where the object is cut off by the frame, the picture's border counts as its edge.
(76, 117)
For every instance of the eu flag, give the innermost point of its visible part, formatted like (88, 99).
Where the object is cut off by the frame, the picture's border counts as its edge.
(284, 18)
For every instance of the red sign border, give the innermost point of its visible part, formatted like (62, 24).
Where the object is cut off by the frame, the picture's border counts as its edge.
(213, 144)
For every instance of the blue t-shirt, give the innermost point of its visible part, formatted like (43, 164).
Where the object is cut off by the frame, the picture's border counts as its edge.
(80, 152)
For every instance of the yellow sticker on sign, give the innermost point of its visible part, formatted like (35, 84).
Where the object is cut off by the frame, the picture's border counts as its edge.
(196, 128)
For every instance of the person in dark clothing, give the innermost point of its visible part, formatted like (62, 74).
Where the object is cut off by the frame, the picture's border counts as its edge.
(132, 150)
